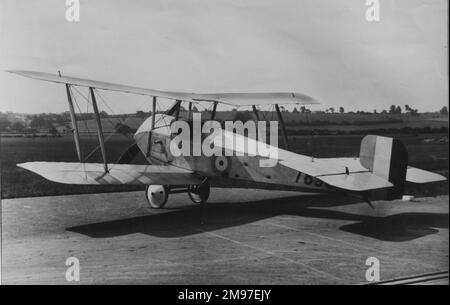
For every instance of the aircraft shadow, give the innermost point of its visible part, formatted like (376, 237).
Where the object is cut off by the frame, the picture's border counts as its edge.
(215, 216)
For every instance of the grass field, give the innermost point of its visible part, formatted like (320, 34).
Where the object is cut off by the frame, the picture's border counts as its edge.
(425, 151)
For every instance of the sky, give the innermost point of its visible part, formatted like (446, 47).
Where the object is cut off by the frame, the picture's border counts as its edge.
(324, 48)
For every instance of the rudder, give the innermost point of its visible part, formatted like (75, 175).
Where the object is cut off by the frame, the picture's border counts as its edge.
(388, 159)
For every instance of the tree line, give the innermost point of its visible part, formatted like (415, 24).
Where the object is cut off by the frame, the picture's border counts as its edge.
(48, 121)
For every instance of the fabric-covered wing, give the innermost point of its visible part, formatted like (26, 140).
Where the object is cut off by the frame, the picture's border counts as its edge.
(101, 85)
(248, 99)
(94, 173)
(233, 99)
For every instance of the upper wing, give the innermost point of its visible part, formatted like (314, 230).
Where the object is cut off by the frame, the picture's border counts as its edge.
(248, 99)
(234, 99)
(101, 85)
(94, 173)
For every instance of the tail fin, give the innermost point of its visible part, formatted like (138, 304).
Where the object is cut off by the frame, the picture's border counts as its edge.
(388, 159)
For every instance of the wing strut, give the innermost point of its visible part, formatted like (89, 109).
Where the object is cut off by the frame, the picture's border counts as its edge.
(149, 146)
(175, 107)
(73, 118)
(255, 111)
(190, 112)
(283, 127)
(153, 112)
(177, 110)
(99, 129)
(213, 114)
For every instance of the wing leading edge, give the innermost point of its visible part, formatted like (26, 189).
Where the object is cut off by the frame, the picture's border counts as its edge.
(94, 173)
(233, 99)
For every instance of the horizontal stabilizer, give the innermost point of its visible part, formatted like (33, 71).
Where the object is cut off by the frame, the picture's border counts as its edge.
(416, 175)
(316, 167)
(344, 173)
(94, 173)
(357, 182)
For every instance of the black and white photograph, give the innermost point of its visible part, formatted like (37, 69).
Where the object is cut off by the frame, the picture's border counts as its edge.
(224, 149)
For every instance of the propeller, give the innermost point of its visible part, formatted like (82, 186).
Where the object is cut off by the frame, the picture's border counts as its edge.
(129, 154)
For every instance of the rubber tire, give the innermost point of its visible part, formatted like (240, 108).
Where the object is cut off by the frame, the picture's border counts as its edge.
(202, 195)
(162, 192)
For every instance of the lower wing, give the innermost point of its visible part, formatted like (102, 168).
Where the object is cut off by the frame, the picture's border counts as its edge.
(94, 173)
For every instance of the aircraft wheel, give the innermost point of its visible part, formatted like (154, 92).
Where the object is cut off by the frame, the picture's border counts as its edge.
(199, 194)
(157, 195)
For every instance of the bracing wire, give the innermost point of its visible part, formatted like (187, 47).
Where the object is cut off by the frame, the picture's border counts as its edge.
(78, 106)
(112, 111)
(87, 99)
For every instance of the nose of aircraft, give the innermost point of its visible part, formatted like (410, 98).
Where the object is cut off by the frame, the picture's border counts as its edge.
(159, 124)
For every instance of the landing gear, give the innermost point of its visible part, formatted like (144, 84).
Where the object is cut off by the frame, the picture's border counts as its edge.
(199, 193)
(157, 195)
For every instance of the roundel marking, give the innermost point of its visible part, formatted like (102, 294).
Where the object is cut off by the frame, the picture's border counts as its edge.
(221, 164)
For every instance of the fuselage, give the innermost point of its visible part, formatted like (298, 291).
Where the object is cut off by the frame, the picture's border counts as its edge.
(241, 170)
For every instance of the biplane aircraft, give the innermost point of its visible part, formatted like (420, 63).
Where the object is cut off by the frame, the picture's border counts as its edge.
(381, 170)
